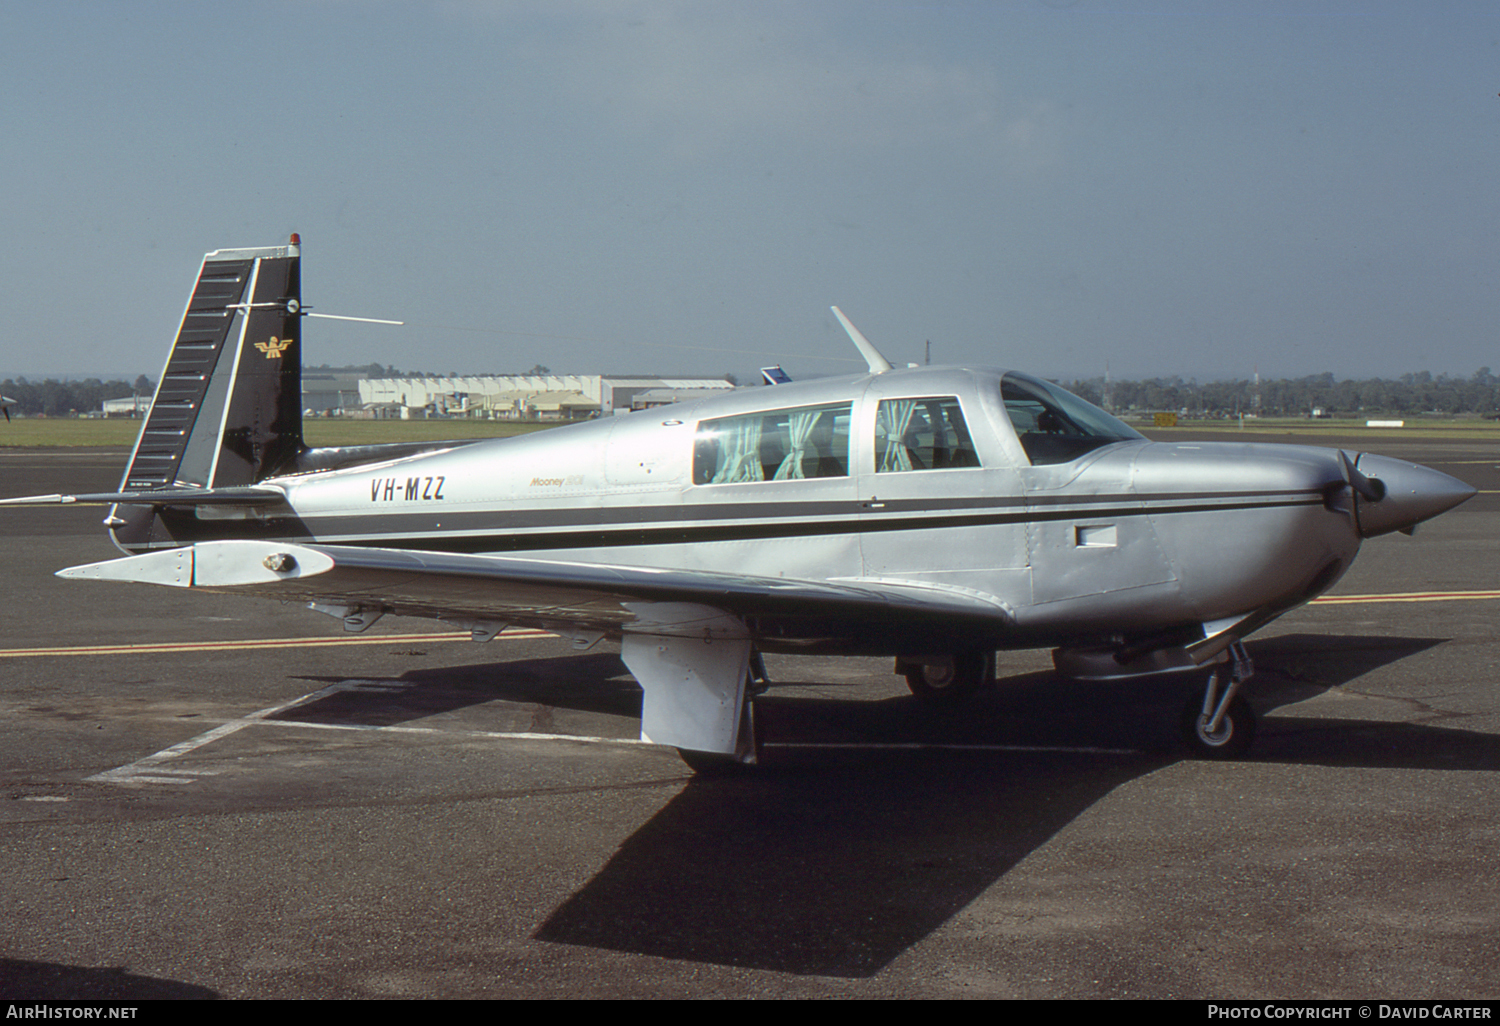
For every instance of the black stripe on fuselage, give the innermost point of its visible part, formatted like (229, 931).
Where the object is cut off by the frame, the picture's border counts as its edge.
(603, 518)
(546, 529)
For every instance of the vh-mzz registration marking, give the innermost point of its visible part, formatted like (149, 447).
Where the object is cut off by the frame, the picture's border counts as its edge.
(393, 489)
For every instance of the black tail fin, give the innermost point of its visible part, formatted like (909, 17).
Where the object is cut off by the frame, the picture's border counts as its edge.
(228, 410)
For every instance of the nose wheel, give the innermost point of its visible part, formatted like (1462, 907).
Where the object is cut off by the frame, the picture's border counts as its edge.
(1220, 724)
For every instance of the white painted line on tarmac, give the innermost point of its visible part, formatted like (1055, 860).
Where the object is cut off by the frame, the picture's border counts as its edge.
(150, 770)
(508, 735)
(922, 746)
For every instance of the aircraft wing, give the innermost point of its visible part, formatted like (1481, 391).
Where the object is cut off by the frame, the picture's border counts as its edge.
(781, 613)
(686, 635)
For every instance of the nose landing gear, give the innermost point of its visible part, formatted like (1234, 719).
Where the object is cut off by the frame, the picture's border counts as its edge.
(1221, 726)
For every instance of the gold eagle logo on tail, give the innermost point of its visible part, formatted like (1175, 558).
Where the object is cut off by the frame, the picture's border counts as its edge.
(274, 348)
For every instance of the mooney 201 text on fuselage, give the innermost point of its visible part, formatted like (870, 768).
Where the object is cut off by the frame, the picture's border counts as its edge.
(934, 514)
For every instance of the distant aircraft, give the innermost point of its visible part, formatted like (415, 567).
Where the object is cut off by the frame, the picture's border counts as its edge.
(932, 514)
(6, 402)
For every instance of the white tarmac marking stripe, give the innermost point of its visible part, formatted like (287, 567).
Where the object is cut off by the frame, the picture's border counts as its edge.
(150, 771)
(509, 735)
(922, 746)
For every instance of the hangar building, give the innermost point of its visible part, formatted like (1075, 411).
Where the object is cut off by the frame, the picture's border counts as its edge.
(532, 396)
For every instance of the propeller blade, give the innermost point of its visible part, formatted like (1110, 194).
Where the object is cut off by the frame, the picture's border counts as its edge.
(1371, 489)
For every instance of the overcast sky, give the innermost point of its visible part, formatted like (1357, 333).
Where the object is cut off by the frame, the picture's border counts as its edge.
(1199, 188)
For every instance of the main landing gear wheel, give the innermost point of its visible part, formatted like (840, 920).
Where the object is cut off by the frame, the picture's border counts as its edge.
(1219, 725)
(950, 681)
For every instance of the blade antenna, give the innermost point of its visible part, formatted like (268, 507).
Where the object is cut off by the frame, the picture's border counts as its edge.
(878, 364)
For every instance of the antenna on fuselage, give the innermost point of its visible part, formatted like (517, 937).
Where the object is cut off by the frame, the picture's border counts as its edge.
(878, 364)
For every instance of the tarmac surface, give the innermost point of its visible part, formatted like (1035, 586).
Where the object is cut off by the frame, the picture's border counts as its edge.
(251, 804)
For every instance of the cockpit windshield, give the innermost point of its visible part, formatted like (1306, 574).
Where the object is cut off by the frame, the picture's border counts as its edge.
(1053, 424)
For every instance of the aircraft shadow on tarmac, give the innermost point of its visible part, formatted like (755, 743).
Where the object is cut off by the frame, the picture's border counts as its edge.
(1035, 709)
(592, 682)
(869, 825)
(51, 981)
(834, 861)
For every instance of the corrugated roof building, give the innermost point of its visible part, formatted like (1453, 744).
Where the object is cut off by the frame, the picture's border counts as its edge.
(528, 396)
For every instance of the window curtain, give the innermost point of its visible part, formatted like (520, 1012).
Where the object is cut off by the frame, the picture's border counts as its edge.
(891, 422)
(740, 460)
(800, 425)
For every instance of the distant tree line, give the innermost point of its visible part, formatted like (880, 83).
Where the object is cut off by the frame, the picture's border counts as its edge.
(1421, 392)
(1288, 397)
(62, 398)
(369, 370)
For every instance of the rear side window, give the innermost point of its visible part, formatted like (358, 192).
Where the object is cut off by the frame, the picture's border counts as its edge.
(776, 445)
(922, 434)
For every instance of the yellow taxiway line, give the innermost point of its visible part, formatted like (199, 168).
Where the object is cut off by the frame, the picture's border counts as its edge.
(1407, 596)
(169, 647)
(252, 643)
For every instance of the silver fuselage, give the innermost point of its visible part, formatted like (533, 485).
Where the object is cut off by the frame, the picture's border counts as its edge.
(1127, 540)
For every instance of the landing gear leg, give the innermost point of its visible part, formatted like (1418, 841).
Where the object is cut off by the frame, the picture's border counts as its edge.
(1221, 725)
(760, 681)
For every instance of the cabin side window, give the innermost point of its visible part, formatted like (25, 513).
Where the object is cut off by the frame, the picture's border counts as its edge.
(922, 434)
(1053, 424)
(775, 445)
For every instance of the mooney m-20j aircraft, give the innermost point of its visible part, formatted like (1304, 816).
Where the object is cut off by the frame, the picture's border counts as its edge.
(933, 514)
